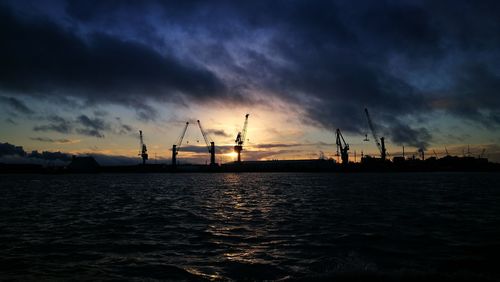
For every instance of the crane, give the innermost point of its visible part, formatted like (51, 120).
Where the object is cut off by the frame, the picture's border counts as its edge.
(482, 153)
(210, 144)
(381, 144)
(422, 153)
(322, 155)
(177, 147)
(240, 139)
(343, 147)
(144, 149)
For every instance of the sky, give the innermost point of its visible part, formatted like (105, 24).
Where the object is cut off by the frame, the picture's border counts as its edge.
(83, 77)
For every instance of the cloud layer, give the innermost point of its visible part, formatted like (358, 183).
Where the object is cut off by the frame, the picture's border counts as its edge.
(405, 61)
(83, 125)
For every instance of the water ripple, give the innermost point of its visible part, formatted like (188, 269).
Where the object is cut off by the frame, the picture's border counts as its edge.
(274, 226)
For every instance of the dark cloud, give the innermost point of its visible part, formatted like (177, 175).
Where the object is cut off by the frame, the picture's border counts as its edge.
(402, 134)
(203, 149)
(83, 125)
(100, 113)
(334, 81)
(250, 155)
(330, 58)
(145, 112)
(50, 140)
(122, 128)
(50, 156)
(57, 124)
(288, 145)
(90, 132)
(11, 121)
(461, 138)
(276, 145)
(194, 149)
(469, 26)
(402, 27)
(16, 154)
(217, 132)
(126, 128)
(7, 149)
(93, 127)
(16, 105)
(475, 95)
(98, 67)
(119, 160)
(95, 123)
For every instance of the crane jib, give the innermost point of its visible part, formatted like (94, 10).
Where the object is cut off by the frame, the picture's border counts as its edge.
(181, 137)
(207, 139)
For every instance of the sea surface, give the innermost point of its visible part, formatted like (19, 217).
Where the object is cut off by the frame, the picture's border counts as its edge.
(251, 226)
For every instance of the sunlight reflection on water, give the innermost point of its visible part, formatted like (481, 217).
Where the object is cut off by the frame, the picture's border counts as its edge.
(239, 226)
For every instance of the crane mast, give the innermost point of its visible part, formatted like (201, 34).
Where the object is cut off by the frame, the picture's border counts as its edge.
(210, 144)
(342, 147)
(177, 147)
(144, 150)
(381, 144)
(240, 138)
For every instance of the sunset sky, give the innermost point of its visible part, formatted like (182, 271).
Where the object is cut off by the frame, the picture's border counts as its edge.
(83, 77)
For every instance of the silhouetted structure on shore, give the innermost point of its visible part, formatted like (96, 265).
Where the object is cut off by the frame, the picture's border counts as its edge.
(367, 164)
(144, 150)
(176, 147)
(240, 139)
(83, 165)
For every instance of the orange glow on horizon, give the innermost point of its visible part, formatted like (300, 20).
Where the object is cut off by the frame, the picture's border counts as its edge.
(231, 155)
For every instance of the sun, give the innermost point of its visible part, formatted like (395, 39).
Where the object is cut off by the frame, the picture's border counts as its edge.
(231, 154)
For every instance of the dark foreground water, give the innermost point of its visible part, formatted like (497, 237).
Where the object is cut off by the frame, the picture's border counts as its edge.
(249, 226)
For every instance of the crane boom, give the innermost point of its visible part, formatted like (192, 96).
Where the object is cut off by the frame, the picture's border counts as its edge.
(372, 129)
(244, 131)
(240, 138)
(141, 140)
(177, 147)
(210, 144)
(205, 136)
(181, 137)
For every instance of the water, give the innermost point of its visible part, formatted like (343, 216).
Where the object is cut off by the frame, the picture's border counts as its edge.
(249, 226)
